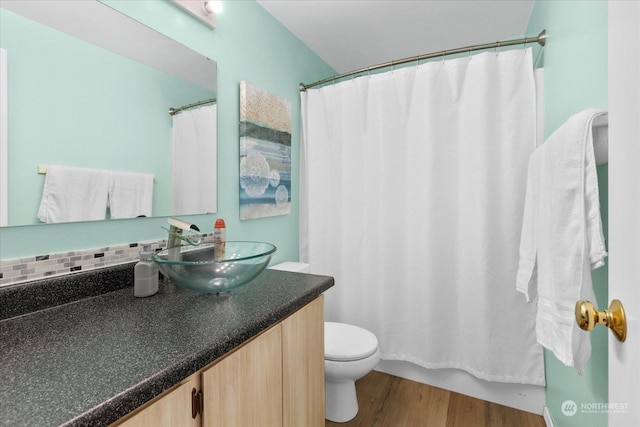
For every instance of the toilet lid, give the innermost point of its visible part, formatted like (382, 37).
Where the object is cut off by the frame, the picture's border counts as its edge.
(344, 342)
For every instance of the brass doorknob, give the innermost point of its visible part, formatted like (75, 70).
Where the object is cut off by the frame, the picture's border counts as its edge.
(588, 317)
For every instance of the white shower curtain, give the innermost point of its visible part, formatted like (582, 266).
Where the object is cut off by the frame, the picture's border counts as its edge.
(194, 161)
(412, 194)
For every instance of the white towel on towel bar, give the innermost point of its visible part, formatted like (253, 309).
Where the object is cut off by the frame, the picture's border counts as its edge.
(73, 194)
(130, 194)
(562, 237)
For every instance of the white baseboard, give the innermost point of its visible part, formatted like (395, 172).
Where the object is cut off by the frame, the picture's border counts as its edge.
(547, 417)
(525, 397)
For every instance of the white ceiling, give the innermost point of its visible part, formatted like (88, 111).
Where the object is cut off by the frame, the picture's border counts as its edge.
(353, 34)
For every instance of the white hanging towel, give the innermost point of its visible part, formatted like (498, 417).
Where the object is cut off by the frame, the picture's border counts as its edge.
(562, 238)
(73, 194)
(130, 194)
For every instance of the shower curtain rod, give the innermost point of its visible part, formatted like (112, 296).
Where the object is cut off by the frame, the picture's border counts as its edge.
(174, 111)
(540, 39)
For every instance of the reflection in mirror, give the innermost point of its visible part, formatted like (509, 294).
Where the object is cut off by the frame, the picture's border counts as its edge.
(88, 87)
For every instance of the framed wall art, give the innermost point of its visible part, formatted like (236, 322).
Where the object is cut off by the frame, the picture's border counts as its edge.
(265, 153)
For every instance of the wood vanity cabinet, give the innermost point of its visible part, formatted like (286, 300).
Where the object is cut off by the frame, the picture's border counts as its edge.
(245, 388)
(303, 367)
(274, 379)
(171, 408)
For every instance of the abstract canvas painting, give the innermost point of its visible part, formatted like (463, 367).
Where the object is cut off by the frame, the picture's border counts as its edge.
(265, 153)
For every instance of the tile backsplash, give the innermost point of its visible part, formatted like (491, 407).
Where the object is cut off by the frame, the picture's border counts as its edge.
(43, 266)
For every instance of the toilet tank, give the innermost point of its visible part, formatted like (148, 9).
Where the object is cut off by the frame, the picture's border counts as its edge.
(297, 267)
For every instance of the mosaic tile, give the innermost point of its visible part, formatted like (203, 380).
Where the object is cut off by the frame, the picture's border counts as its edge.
(26, 269)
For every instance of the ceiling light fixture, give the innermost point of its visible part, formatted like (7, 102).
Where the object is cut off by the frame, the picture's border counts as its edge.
(204, 10)
(212, 6)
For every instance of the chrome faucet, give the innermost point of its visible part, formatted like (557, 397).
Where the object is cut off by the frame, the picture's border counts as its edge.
(177, 227)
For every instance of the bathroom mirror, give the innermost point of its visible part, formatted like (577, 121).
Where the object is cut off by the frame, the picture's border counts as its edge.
(87, 86)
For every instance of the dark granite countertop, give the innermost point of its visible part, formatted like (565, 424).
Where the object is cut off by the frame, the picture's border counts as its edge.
(92, 361)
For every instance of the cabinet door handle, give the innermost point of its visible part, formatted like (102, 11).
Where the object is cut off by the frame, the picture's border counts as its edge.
(197, 404)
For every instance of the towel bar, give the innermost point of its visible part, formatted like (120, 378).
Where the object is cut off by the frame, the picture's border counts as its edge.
(42, 170)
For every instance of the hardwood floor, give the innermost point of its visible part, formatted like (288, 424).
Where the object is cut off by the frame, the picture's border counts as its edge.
(388, 401)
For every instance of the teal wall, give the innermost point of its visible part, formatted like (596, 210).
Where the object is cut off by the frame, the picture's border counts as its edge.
(248, 44)
(75, 104)
(575, 78)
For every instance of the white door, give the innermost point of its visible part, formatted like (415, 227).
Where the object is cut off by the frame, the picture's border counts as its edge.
(624, 208)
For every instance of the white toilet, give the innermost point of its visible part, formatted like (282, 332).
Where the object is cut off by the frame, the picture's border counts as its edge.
(350, 353)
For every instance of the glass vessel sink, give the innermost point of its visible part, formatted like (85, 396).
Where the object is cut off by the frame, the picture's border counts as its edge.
(194, 267)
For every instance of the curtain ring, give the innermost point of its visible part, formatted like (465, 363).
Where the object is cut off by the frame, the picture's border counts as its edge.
(497, 47)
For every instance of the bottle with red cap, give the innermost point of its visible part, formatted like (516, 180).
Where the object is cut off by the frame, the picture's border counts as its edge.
(219, 239)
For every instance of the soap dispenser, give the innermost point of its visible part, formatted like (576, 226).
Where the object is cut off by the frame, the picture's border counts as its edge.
(145, 275)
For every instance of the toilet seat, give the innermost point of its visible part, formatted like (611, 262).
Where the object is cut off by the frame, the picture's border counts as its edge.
(343, 343)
